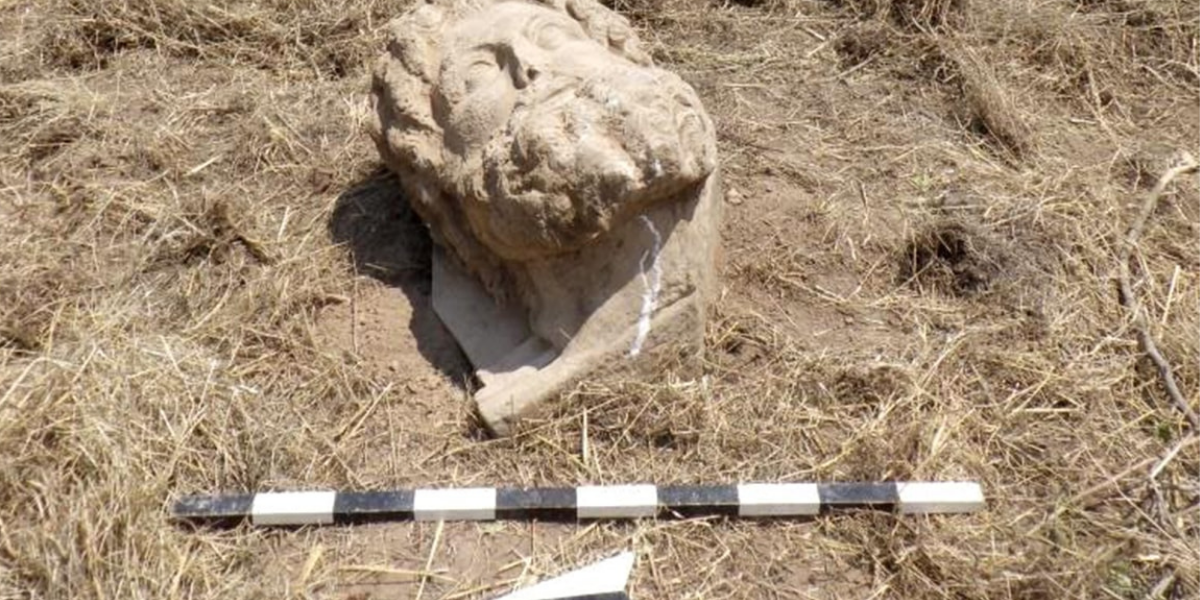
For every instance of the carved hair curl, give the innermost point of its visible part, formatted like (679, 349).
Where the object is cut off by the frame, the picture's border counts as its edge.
(407, 132)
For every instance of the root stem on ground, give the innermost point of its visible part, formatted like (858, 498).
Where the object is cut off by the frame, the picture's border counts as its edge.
(1129, 299)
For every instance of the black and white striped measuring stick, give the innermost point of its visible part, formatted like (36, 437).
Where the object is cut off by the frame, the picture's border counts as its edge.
(745, 500)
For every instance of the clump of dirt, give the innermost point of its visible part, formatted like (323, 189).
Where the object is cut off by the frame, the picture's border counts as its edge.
(862, 43)
(955, 259)
(25, 314)
(912, 14)
(215, 237)
(988, 105)
(1142, 165)
(867, 387)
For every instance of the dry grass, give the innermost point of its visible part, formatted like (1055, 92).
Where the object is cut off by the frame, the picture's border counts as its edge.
(991, 110)
(329, 38)
(921, 283)
(917, 14)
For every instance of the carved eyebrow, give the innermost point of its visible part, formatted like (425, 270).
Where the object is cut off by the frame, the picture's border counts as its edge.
(490, 48)
(485, 52)
(540, 22)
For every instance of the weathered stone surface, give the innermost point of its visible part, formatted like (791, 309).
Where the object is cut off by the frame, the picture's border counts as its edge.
(571, 184)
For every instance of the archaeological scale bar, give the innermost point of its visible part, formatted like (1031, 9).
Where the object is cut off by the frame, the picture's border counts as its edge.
(585, 503)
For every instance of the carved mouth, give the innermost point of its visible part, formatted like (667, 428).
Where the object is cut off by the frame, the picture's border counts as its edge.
(550, 95)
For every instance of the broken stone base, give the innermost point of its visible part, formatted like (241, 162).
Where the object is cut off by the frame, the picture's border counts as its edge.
(593, 312)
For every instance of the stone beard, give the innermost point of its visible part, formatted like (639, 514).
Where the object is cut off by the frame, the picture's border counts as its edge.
(536, 140)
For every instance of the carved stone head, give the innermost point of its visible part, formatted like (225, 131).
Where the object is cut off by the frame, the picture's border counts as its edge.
(525, 129)
(561, 173)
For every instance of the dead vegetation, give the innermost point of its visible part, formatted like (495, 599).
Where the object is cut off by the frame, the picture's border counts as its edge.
(914, 14)
(951, 258)
(990, 110)
(922, 283)
(329, 38)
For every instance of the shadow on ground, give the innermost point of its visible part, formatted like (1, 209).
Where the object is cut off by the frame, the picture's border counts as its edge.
(389, 243)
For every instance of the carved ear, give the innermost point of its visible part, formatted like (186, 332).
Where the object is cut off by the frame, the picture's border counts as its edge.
(408, 137)
(413, 39)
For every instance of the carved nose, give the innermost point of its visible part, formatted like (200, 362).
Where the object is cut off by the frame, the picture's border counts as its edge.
(527, 63)
(526, 75)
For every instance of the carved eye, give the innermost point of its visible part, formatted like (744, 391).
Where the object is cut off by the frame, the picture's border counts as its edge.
(552, 36)
(481, 72)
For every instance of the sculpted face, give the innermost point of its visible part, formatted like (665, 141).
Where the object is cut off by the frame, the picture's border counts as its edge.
(550, 138)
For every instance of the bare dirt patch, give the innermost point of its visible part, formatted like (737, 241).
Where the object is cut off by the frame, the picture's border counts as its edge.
(387, 322)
